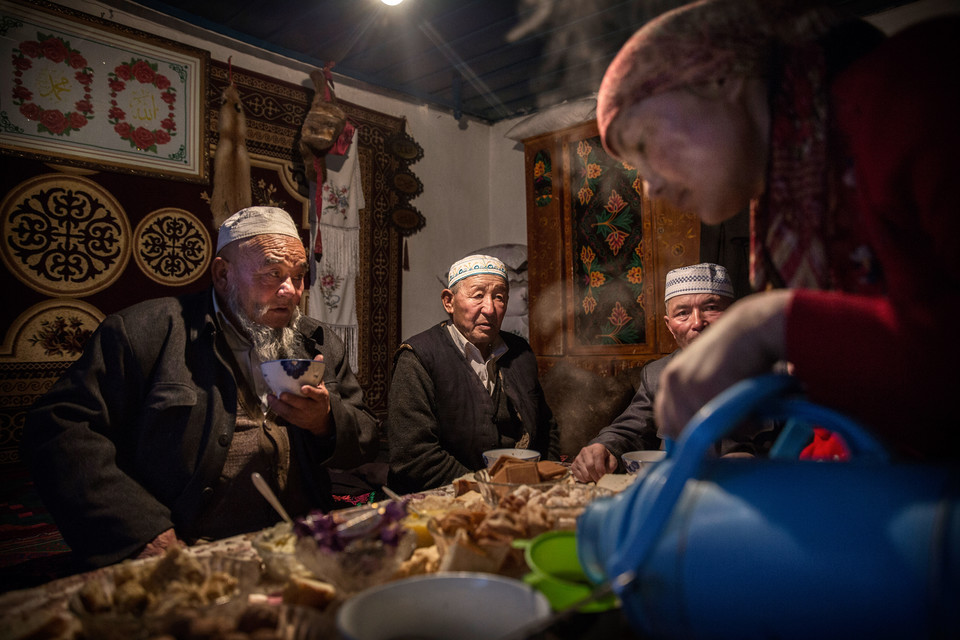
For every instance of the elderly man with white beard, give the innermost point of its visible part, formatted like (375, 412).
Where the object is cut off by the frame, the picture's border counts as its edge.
(151, 436)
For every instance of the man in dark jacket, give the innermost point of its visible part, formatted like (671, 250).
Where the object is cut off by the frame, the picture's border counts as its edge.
(695, 296)
(463, 387)
(152, 435)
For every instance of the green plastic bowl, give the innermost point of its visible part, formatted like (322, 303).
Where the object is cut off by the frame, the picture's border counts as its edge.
(555, 572)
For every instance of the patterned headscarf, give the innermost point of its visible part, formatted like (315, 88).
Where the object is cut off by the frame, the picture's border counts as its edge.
(771, 39)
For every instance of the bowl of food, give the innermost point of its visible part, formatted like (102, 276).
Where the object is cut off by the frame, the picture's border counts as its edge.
(639, 461)
(290, 374)
(508, 475)
(462, 605)
(355, 550)
(565, 502)
(491, 456)
(138, 599)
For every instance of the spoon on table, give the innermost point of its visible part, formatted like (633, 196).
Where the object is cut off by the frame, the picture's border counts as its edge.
(396, 497)
(271, 497)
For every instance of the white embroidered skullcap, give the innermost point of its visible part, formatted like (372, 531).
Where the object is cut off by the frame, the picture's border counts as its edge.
(475, 265)
(699, 278)
(255, 221)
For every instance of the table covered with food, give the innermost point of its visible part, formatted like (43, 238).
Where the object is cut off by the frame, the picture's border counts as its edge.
(505, 532)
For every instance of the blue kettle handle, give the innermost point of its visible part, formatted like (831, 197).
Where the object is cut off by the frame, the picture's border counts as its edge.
(772, 396)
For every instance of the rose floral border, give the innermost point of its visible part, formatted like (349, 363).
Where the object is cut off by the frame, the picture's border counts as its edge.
(104, 64)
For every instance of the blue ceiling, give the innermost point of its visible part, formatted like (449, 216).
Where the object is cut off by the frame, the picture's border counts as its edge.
(486, 59)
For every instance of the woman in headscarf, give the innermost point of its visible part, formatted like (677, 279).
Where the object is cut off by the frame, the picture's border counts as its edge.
(844, 144)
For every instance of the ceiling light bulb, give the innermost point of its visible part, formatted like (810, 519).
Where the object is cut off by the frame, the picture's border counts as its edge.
(391, 3)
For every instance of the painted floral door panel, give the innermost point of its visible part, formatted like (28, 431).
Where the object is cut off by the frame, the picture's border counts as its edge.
(599, 251)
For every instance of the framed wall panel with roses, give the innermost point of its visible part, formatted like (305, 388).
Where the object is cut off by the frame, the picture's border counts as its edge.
(83, 91)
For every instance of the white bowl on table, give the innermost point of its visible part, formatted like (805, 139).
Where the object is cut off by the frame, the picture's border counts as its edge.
(462, 605)
(289, 374)
(639, 461)
(492, 455)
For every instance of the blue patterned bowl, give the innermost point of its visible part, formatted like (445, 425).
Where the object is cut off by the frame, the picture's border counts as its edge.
(291, 374)
(637, 461)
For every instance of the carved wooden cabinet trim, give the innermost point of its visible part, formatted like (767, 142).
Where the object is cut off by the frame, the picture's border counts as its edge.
(598, 253)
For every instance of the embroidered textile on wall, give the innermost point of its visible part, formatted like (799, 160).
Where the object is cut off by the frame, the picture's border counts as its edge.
(173, 246)
(608, 269)
(333, 273)
(64, 235)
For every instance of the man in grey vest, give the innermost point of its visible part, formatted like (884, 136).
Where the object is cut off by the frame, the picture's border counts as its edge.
(463, 386)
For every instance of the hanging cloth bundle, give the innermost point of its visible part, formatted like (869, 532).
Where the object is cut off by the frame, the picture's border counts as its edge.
(231, 169)
(328, 147)
(325, 128)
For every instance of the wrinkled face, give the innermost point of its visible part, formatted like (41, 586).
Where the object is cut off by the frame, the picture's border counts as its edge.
(704, 152)
(265, 276)
(478, 305)
(688, 315)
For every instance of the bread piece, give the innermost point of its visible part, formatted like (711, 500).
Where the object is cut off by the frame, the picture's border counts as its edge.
(523, 473)
(462, 486)
(498, 465)
(549, 470)
(309, 592)
(424, 560)
(463, 554)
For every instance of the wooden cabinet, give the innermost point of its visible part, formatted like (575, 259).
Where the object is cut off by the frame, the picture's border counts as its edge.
(598, 253)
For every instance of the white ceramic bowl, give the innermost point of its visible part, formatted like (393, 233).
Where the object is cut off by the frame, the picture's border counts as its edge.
(441, 606)
(491, 456)
(639, 461)
(291, 374)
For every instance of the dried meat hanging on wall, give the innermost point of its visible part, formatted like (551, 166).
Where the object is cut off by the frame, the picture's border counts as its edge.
(231, 162)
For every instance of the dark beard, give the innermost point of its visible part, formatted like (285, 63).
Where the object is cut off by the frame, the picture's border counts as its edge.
(268, 343)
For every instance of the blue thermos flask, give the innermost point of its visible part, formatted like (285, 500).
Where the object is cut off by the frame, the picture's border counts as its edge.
(780, 547)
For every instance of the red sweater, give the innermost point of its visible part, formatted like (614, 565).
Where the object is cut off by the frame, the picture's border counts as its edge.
(891, 361)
